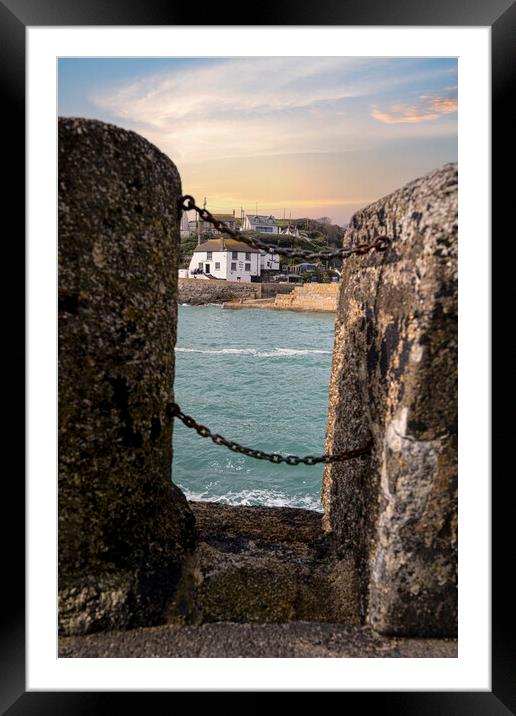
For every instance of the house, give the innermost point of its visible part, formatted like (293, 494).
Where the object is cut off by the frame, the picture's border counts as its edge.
(269, 262)
(261, 224)
(230, 221)
(227, 259)
(292, 230)
(199, 227)
(304, 267)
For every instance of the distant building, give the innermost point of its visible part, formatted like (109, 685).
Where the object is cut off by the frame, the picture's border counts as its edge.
(227, 259)
(261, 224)
(229, 219)
(269, 262)
(304, 267)
(294, 231)
(200, 227)
(184, 229)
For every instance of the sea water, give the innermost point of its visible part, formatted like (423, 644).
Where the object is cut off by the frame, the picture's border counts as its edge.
(261, 378)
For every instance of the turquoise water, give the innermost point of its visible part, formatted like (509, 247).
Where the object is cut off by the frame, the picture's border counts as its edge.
(260, 378)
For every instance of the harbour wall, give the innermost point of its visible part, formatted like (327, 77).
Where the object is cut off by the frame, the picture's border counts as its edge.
(200, 291)
(309, 297)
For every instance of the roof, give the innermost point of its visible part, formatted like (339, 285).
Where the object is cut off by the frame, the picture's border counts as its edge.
(258, 219)
(230, 245)
(226, 217)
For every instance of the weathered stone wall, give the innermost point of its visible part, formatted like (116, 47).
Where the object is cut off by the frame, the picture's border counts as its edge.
(310, 297)
(269, 290)
(200, 291)
(394, 379)
(197, 292)
(124, 528)
(263, 564)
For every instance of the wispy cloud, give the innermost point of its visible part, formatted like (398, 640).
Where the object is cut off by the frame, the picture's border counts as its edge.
(248, 107)
(309, 135)
(426, 109)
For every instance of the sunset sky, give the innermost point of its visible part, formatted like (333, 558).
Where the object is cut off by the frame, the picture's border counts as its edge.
(310, 136)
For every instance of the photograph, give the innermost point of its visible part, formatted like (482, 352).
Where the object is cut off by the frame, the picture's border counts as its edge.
(257, 378)
(258, 347)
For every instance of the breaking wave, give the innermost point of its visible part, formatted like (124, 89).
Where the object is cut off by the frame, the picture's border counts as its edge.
(263, 498)
(276, 352)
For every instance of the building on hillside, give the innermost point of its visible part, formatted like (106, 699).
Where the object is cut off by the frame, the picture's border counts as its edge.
(269, 262)
(304, 267)
(184, 229)
(261, 224)
(230, 220)
(291, 230)
(199, 227)
(226, 259)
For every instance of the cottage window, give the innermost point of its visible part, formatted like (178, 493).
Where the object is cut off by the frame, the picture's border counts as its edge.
(234, 254)
(247, 255)
(217, 265)
(200, 265)
(233, 266)
(209, 255)
(248, 267)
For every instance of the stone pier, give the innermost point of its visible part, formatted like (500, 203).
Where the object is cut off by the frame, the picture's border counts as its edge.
(394, 380)
(124, 528)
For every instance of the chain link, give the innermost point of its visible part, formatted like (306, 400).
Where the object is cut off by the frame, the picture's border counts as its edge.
(187, 203)
(173, 410)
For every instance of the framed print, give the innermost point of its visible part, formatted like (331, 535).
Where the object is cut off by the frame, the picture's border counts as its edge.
(312, 192)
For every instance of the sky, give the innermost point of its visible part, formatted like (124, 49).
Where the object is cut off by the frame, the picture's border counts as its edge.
(288, 136)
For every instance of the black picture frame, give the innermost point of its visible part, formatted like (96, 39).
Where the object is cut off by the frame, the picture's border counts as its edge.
(15, 16)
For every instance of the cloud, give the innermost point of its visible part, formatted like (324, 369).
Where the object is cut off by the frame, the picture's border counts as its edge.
(445, 105)
(251, 107)
(427, 109)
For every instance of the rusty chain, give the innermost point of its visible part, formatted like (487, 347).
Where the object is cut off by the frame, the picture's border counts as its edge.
(187, 203)
(175, 411)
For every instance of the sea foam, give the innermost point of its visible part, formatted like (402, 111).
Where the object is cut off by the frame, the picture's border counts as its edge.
(264, 498)
(277, 352)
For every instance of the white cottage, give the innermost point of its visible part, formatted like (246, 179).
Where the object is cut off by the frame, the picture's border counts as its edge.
(225, 259)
